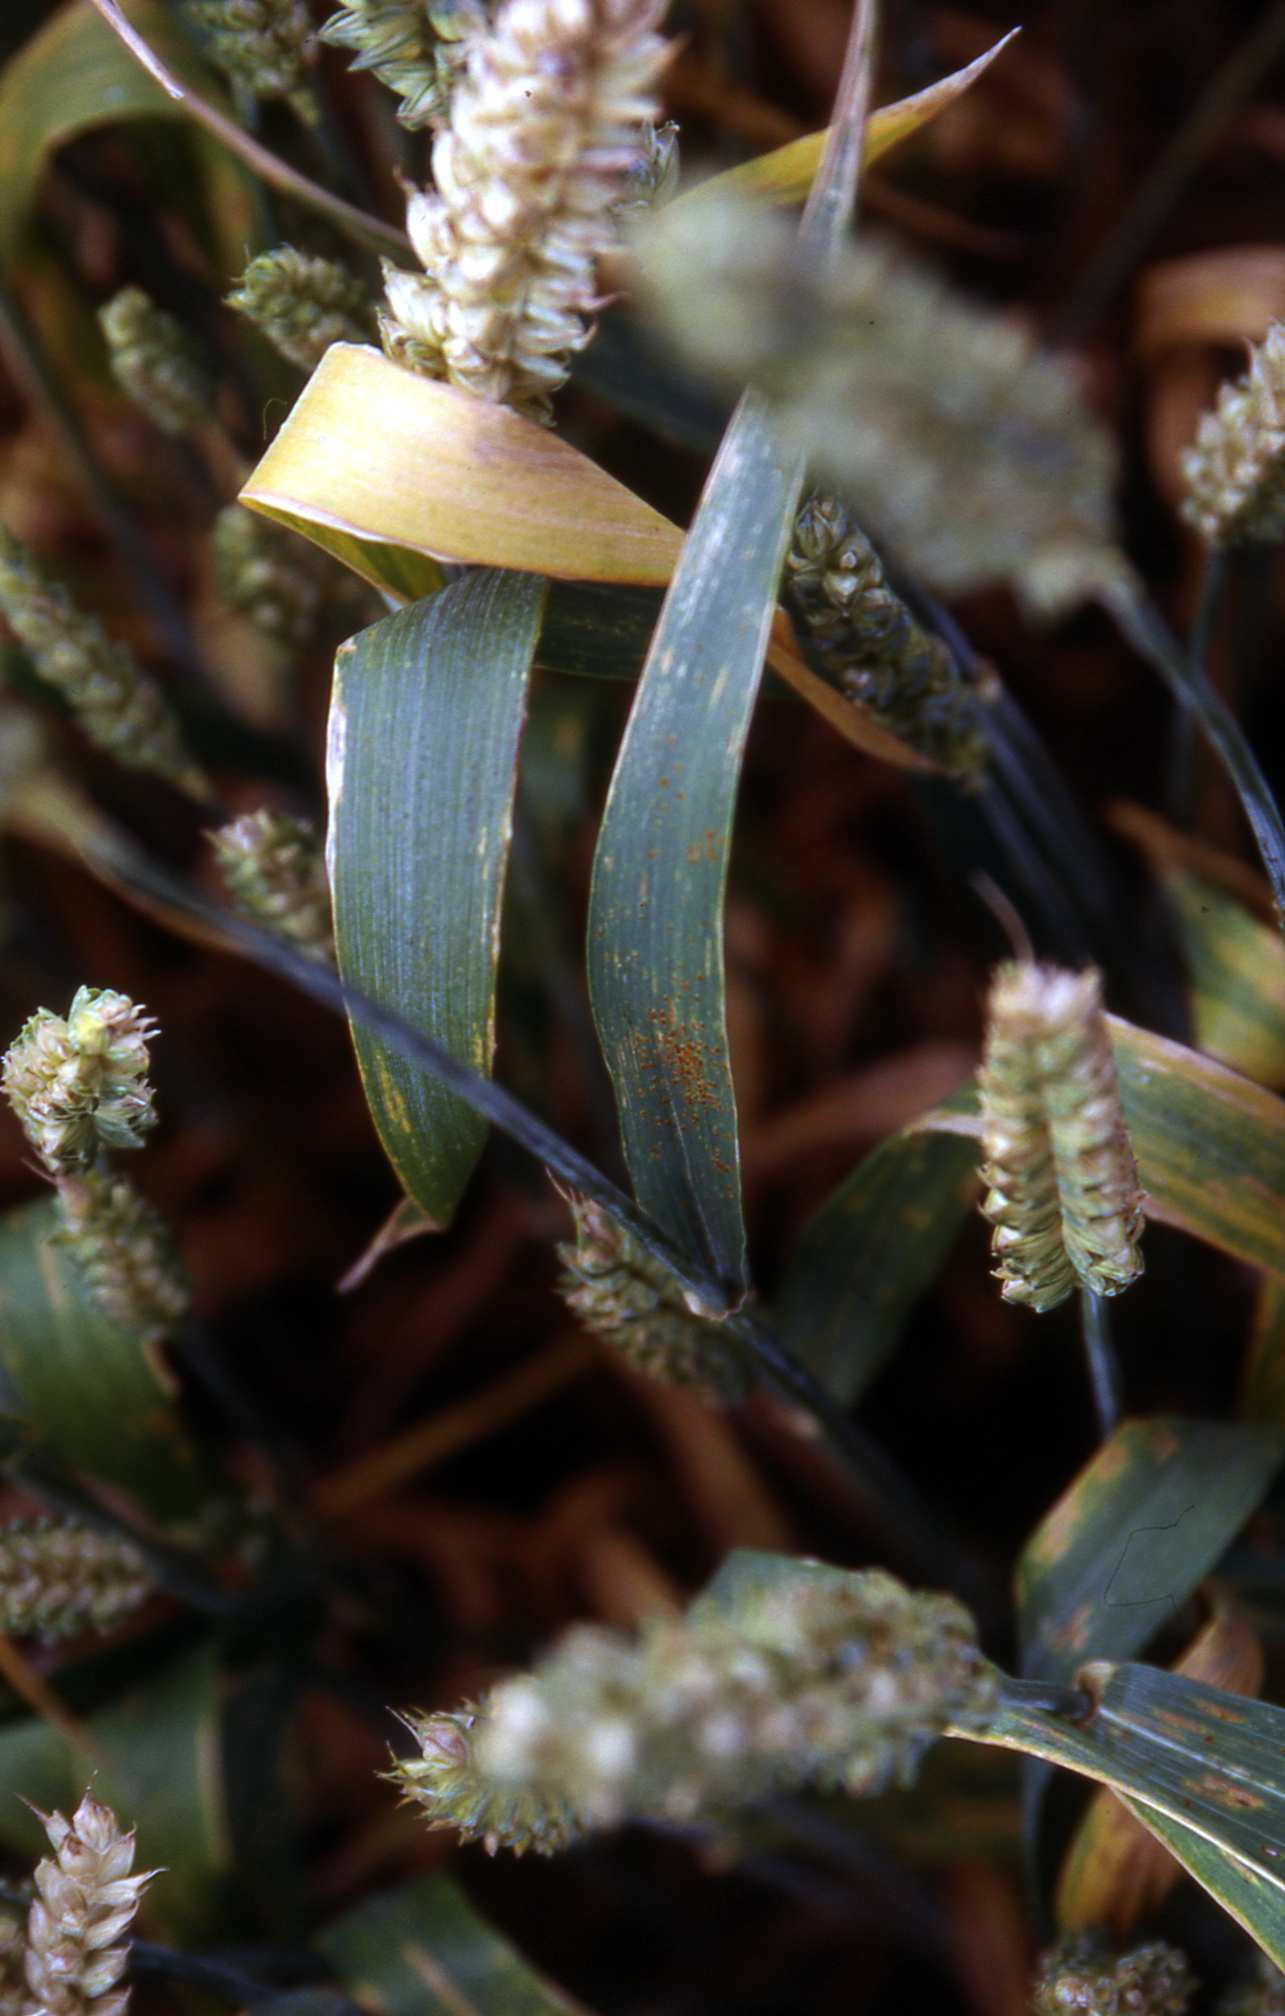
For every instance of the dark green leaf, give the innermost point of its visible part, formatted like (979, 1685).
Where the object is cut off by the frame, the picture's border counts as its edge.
(425, 721)
(1210, 1145)
(1263, 1387)
(1208, 1760)
(424, 1951)
(656, 972)
(598, 630)
(70, 77)
(870, 1252)
(308, 2002)
(156, 1764)
(660, 871)
(1138, 1529)
(1237, 969)
(90, 1396)
(1257, 1905)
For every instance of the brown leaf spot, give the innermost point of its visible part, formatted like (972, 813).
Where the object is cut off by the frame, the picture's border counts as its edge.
(1162, 1444)
(1226, 1792)
(1072, 1635)
(1172, 1718)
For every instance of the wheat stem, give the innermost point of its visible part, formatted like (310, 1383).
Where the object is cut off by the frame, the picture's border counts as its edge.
(357, 224)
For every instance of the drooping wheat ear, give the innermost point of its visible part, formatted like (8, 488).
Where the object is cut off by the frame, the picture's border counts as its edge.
(1234, 470)
(275, 870)
(302, 304)
(970, 455)
(868, 644)
(1262, 1995)
(444, 1781)
(265, 48)
(58, 1579)
(117, 704)
(833, 1679)
(1062, 1189)
(86, 1900)
(634, 1303)
(1082, 1973)
(268, 575)
(126, 1253)
(415, 47)
(546, 123)
(155, 360)
(80, 1085)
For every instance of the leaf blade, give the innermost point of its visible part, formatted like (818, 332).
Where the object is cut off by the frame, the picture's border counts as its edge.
(422, 1950)
(1210, 1144)
(787, 173)
(398, 463)
(1206, 1759)
(1116, 1869)
(656, 973)
(158, 1738)
(67, 1369)
(426, 718)
(1134, 1534)
(71, 76)
(1237, 971)
(1256, 1905)
(391, 474)
(656, 978)
(870, 1252)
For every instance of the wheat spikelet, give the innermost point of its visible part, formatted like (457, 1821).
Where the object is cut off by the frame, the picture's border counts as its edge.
(831, 1679)
(117, 704)
(264, 47)
(445, 1782)
(276, 872)
(79, 1085)
(156, 362)
(1234, 470)
(634, 1304)
(1081, 1973)
(415, 47)
(547, 120)
(1062, 1190)
(86, 1899)
(870, 646)
(58, 1579)
(302, 304)
(126, 1253)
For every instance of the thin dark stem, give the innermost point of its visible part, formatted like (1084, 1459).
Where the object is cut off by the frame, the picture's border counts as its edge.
(225, 1976)
(1036, 786)
(902, 1516)
(1075, 1703)
(1103, 1366)
(1188, 683)
(1033, 782)
(1044, 888)
(1180, 790)
(346, 217)
(1178, 161)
